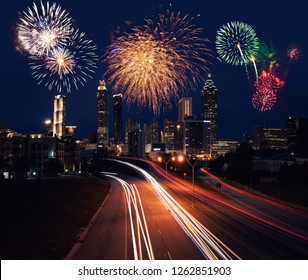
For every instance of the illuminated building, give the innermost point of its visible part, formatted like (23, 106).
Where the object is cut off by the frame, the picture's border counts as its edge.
(223, 146)
(184, 108)
(117, 107)
(46, 155)
(130, 126)
(59, 116)
(269, 138)
(154, 131)
(13, 154)
(197, 138)
(209, 105)
(169, 134)
(178, 136)
(136, 143)
(297, 134)
(102, 115)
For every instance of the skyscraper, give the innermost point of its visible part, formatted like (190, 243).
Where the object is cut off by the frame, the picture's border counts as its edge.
(169, 134)
(130, 126)
(209, 105)
(178, 136)
(59, 116)
(102, 115)
(184, 108)
(117, 107)
(154, 130)
(197, 138)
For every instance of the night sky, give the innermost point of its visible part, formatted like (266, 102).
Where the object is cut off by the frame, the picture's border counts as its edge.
(25, 105)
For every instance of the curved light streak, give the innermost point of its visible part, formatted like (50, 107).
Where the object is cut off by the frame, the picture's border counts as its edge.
(208, 244)
(139, 228)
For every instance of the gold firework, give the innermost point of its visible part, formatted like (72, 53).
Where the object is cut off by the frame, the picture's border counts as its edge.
(158, 61)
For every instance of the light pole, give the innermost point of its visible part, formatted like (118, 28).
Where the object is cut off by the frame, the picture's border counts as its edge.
(160, 159)
(180, 159)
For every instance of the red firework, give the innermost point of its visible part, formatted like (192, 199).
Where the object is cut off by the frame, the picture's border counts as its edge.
(266, 87)
(264, 100)
(293, 52)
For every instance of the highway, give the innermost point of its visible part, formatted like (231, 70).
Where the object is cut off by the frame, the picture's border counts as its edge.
(133, 224)
(254, 227)
(155, 216)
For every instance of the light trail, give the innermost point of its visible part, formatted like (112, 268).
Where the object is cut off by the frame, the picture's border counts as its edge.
(138, 224)
(209, 245)
(255, 216)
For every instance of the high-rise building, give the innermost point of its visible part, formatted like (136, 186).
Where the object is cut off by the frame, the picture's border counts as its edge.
(130, 126)
(102, 115)
(59, 116)
(209, 105)
(297, 134)
(197, 138)
(154, 130)
(117, 107)
(184, 108)
(178, 136)
(136, 143)
(169, 134)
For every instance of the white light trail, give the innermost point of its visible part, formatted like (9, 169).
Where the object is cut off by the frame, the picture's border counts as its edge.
(209, 245)
(139, 228)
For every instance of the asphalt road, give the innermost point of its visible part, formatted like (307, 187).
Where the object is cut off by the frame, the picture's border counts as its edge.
(110, 237)
(253, 227)
(140, 220)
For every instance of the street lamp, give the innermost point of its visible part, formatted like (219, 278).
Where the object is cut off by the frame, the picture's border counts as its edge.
(181, 159)
(160, 159)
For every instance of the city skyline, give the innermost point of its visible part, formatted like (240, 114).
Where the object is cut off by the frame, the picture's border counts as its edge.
(235, 114)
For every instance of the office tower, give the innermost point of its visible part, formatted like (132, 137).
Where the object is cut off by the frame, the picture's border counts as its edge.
(258, 137)
(102, 115)
(117, 108)
(147, 133)
(59, 116)
(297, 134)
(178, 136)
(154, 129)
(136, 143)
(197, 138)
(184, 108)
(209, 105)
(169, 134)
(130, 126)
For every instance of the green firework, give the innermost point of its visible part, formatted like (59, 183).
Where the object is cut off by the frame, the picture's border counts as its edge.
(237, 43)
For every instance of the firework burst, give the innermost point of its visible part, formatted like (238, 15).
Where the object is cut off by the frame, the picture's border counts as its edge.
(236, 43)
(293, 52)
(157, 61)
(67, 65)
(267, 56)
(42, 28)
(266, 87)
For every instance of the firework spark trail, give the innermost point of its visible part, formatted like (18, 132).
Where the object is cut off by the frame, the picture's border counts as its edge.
(151, 65)
(42, 28)
(236, 43)
(65, 66)
(253, 61)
